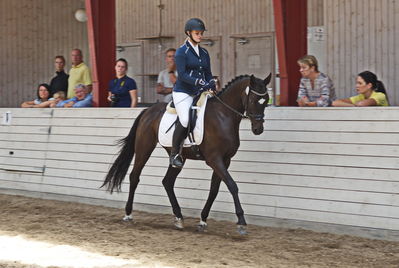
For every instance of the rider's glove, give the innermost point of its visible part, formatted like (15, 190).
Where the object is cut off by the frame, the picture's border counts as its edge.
(201, 82)
(211, 85)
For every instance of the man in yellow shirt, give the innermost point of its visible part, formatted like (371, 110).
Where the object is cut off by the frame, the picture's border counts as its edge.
(79, 73)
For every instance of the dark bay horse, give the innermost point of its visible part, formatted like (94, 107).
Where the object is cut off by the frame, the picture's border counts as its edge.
(220, 143)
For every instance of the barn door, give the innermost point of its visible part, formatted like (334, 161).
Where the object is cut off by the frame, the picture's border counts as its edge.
(254, 55)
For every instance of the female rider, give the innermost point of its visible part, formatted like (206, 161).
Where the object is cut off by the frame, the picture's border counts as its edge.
(194, 75)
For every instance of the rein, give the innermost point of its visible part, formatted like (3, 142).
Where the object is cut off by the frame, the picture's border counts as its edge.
(230, 108)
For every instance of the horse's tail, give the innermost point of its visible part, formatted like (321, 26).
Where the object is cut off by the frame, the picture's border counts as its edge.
(119, 168)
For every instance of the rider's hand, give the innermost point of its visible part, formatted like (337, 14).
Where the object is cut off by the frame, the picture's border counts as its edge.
(201, 82)
(211, 85)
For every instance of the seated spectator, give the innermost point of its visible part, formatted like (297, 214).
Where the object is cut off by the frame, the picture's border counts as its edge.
(371, 92)
(52, 102)
(43, 95)
(167, 77)
(60, 81)
(315, 88)
(82, 98)
(122, 89)
(58, 97)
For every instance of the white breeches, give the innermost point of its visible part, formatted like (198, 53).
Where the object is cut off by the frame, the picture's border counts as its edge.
(183, 103)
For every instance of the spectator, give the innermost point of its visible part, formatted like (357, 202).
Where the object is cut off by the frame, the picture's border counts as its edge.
(82, 98)
(79, 73)
(315, 88)
(58, 97)
(43, 95)
(52, 102)
(60, 80)
(167, 78)
(122, 89)
(371, 92)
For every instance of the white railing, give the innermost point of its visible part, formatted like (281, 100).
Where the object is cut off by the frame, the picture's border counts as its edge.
(328, 169)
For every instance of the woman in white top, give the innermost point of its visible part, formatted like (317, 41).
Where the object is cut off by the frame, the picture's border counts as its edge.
(43, 94)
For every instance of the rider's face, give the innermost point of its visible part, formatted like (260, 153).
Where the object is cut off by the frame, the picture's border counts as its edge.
(197, 36)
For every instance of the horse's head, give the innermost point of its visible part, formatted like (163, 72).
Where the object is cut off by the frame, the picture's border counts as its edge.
(255, 99)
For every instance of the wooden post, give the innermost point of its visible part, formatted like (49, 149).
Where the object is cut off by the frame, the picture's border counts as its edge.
(102, 45)
(290, 17)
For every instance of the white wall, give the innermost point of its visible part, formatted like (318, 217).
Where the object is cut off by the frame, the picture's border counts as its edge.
(326, 169)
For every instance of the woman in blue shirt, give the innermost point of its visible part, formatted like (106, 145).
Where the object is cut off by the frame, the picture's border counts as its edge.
(122, 89)
(193, 67)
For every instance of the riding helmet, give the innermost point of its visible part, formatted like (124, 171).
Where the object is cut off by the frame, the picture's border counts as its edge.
(194, 24)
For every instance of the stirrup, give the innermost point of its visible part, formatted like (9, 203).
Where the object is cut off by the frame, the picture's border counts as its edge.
(176, 161)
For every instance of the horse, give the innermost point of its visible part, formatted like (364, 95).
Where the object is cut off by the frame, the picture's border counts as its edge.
(224, 112)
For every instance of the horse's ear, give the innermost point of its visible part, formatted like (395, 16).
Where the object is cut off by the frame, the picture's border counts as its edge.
(267, 79)
(252, 79)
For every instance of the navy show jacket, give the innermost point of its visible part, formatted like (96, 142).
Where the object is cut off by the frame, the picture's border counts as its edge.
(191, 68)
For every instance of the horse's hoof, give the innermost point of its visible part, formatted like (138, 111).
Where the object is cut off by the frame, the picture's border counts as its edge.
(202, 226)
(242, 230)
(179, 224)
(128, 218)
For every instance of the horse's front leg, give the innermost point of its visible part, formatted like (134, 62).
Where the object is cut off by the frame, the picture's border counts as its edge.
(213, 192)
(169, 184)
(215, 184)
(221, 170)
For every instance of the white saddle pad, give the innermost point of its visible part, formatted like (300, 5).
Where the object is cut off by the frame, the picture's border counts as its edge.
(168, 119)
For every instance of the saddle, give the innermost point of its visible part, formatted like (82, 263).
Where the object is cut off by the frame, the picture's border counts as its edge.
(198, 101)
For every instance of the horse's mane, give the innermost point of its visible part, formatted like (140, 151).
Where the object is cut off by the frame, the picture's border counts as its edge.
(233, 81)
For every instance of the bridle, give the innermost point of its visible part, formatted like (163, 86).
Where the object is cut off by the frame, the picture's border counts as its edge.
(256, 117)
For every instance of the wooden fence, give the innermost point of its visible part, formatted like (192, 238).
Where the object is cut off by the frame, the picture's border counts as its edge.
(325, 169)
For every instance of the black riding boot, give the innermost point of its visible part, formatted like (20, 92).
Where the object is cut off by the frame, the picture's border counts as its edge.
(179, 135)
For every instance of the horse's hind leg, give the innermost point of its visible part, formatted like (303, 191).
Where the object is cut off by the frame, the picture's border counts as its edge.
(143, 152)
(169, 183)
